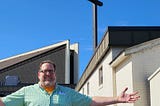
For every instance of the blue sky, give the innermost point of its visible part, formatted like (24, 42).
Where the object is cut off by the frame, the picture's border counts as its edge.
(27, 25)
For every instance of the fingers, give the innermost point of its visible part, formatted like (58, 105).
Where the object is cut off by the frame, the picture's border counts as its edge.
(134, 93)
(128, 98)
(133, 97)
(125, 90)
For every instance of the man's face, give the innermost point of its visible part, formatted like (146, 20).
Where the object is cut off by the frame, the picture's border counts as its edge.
(46, 75)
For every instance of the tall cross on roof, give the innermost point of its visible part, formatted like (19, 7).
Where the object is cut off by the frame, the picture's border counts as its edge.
(95, 36)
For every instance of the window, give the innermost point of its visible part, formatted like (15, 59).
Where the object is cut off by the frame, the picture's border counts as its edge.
(88, 88)
(100, 76)
(83, 91)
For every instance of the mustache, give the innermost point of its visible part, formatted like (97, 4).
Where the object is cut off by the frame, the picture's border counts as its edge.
(50, 78)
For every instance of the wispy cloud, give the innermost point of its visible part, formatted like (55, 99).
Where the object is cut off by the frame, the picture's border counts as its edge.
(88, 48)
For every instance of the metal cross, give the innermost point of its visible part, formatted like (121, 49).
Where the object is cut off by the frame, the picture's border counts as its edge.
(95, 3)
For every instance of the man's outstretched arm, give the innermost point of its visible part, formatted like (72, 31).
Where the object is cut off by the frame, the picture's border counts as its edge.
(122, 98)
(1, 102)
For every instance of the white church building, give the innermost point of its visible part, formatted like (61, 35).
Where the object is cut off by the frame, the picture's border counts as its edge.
(126, 57)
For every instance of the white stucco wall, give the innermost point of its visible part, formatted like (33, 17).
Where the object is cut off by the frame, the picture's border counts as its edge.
(124, 78)
(154, 89)
(135, 70)
(107, 88)
(145, 63)
(131, 72)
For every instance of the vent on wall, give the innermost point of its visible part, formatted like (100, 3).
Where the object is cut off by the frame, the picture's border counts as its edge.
(11, 80)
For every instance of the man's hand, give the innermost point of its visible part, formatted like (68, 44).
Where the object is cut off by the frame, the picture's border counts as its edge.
(127, 98)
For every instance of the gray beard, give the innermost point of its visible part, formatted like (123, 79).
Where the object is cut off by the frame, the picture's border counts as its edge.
(42, 84)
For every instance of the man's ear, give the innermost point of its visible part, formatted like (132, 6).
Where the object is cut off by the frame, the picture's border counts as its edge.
(38, 74)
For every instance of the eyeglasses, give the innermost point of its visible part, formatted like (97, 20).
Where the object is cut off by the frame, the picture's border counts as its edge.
(49, 71)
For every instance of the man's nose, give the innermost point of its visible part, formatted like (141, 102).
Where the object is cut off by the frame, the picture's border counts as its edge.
(48, 73)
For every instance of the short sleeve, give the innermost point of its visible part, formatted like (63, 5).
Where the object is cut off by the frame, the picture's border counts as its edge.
(14, 99)
(80, 99)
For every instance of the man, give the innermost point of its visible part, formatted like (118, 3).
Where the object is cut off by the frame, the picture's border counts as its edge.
(48, 93)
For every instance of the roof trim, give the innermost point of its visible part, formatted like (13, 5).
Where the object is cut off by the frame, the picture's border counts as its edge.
(134, 28)
(121, 57)
(154, 74)
(142, 46)
(134, 49)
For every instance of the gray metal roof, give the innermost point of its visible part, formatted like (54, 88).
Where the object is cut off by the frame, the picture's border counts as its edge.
(21, 57)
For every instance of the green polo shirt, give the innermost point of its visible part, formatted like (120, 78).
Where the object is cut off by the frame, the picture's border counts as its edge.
(34, 95)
